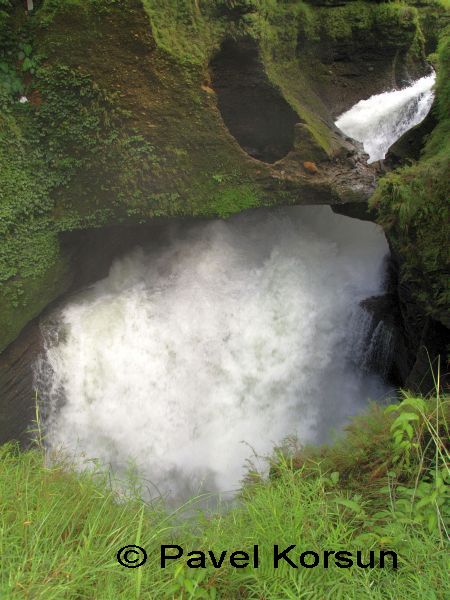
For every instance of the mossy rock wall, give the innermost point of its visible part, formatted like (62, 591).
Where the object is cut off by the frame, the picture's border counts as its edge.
(123, 124)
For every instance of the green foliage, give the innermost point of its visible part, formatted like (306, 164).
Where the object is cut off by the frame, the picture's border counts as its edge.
(24, 201)
(385, 24)
(419, 433)
(82, 121)
(10, 82)
(190, 29)
(29, 61)
(61, 530)
(402, 428)
(234, 199)
(30, 261)
(219, 178)
(4, 16)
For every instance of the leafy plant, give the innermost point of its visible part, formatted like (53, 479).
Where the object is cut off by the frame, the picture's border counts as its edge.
(219, 178)
(419, 436)
(411, 409)
(29, 62)
(10, 82)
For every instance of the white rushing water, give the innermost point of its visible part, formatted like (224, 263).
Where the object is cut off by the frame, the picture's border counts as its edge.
(380, 120)
(226, 338)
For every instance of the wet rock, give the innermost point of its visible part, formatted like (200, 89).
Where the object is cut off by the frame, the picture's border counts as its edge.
(17, 396)
(410, 145)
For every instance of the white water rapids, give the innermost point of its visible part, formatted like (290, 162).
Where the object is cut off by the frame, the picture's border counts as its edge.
(381, 119)
(229, 336)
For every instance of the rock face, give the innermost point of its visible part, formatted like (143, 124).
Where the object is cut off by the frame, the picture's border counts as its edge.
(422, 348)
(410, 145)
(16, 385)
(253, 109)
(158, 108)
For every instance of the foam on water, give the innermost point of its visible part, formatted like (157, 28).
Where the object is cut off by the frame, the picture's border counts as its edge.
(229, 336)
(381, 119)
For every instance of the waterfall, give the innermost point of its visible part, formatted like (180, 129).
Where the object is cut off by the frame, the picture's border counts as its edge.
(372, 342)
(381, 119)
(220, 341)
(379, 353)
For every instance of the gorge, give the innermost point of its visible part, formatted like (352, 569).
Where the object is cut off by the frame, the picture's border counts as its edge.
(255, 115)
(224, 299)
(214, 343)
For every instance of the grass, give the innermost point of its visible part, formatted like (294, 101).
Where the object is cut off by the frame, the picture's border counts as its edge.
(380, 487)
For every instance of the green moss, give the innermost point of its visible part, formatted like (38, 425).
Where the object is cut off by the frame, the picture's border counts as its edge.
(226, 199)
(184, 29)
(319, 142)
(24, 298)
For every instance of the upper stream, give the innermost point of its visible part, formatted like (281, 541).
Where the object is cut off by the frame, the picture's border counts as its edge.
(382, 119)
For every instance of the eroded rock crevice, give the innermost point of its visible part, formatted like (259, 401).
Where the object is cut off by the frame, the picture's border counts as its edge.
(253, 109)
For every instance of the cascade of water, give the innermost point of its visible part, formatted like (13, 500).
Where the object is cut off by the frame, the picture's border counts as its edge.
(381, 119)
(242, 331)
(372, 342)
(378, 356)
(229, 332)
(361, 326)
